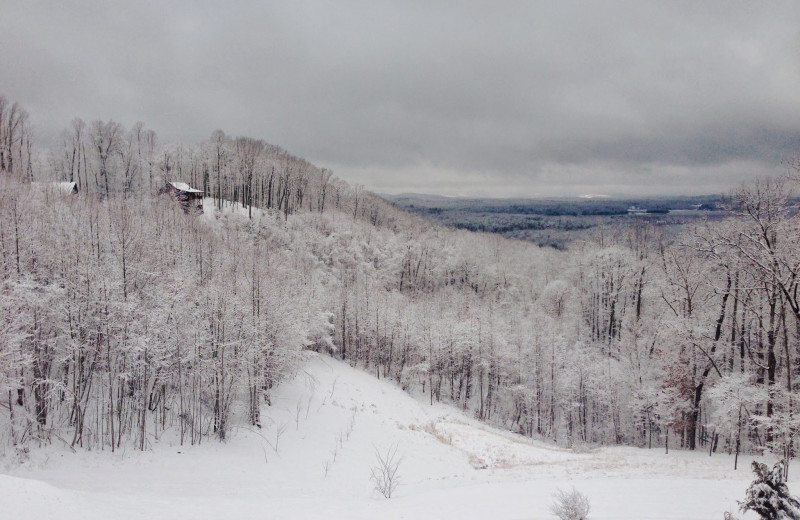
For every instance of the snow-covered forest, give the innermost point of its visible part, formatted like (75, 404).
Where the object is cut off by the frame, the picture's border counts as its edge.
(123, 316)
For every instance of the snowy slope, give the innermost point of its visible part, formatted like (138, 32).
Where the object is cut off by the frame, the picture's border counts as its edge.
(332, 419)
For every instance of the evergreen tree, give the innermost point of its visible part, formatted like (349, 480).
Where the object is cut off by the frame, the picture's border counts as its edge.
(769, 496)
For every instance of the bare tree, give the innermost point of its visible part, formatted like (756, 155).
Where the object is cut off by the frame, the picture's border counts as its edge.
(13, 131)
(106, 139)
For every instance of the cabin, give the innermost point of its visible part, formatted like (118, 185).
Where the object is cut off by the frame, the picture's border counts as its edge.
(190, 199)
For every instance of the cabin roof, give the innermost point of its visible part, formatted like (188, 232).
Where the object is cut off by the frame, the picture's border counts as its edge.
(66, 187)
(182, 186)
(63, 187)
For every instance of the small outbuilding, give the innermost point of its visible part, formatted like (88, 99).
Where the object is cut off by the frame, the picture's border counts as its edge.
(190, 199)
(65, 188)
(70, 188)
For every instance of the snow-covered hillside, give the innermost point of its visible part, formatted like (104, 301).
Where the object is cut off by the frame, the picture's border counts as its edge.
(312, 458)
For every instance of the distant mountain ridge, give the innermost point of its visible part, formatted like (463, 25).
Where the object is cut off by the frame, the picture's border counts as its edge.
(554, 221)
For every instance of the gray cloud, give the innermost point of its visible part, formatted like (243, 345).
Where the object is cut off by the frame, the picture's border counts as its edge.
(503, 98)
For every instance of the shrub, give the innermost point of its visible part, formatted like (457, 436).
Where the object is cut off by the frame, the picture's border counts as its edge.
(570, 505)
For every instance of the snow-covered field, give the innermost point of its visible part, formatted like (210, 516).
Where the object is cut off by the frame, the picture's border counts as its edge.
(333, 418)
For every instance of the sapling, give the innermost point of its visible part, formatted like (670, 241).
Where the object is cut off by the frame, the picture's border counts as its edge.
(279, 431)
(385, 472)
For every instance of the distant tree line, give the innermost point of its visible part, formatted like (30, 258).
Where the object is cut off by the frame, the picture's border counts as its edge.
(554, 222)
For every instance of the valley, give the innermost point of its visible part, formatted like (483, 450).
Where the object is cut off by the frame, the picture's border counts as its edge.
(332, 418)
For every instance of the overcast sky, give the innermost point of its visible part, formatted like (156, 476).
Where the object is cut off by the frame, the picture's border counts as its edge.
(529, 98)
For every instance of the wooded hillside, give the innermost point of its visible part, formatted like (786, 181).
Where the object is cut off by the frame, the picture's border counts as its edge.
(123, 316)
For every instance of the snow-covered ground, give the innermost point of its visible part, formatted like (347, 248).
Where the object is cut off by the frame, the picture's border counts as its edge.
(333, 418)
